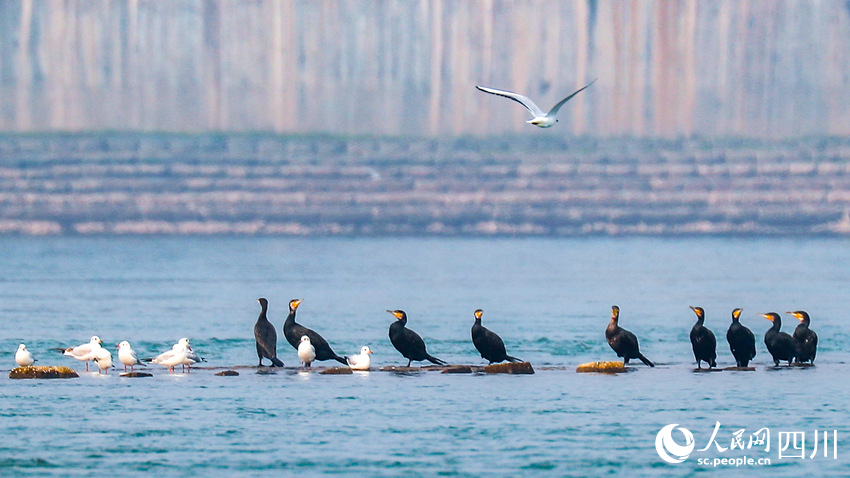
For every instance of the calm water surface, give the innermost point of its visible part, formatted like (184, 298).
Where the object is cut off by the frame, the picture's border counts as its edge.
(549, 299)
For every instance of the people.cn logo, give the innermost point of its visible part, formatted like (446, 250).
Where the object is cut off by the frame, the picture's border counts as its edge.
(668, 449)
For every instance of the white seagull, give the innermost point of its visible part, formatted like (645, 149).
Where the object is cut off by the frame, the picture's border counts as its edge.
(85, 352)
(128, 356)
(174, 357)
(361, 361)
(103, 359)
(192, 357)
(541, 119)
(306, 351)
(23, 356)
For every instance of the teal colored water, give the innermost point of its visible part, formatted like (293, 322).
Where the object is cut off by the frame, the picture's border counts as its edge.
(549, 299)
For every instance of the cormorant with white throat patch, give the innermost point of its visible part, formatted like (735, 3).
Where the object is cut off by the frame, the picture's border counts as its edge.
(622, 341)
(293, 332)
(741, 340)
(780, 345)
(806, 338)
(489, 345)
(408, 342)
(703, 341)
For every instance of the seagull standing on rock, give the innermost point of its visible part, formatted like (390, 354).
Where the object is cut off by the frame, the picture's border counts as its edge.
(192, 357)
(171, 358)
(23, 357)
(128, 356)
(103, 359)
(540, 119)
(306, 351)
(362, 361)
(85, 352)
(178, 355)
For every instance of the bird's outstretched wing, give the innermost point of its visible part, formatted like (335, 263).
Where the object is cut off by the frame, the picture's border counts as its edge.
(523, 100)
(554, 111)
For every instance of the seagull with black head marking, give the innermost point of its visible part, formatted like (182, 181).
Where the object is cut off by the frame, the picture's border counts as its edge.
(541, 119)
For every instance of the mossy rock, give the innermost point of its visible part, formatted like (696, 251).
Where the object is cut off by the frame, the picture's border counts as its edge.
(337, 371)
(136, 374)
(740, 369)
(228, 373)
(42, 372)
(510, 367)
(601, 367)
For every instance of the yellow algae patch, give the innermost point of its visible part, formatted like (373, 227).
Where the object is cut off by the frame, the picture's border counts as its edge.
(601, 367)
(43, 372)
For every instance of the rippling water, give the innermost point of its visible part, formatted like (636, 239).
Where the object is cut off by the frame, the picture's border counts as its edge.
(549, 299)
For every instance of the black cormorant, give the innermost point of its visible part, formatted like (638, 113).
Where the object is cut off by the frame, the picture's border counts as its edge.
(780, 345)
(622, 341)
(488, 343)
(266, 337)
(741, 340)
(806, 338)
(703, 341)
(408, 342)
(293, 332)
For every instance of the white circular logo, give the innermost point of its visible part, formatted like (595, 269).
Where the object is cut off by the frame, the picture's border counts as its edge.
(668, 449)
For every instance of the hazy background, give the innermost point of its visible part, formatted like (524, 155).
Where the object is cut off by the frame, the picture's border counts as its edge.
(362, 118)
(735, 67)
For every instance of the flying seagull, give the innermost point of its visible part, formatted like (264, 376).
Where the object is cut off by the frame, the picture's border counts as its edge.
(541, 119)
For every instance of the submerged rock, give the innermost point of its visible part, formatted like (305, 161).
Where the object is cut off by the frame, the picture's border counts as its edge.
(336, 371)
(42, 372)
(601, 367)
(458, 369)
(740, 369)
(397, 368)
(228, 373)
(510, 367)
(136, 374)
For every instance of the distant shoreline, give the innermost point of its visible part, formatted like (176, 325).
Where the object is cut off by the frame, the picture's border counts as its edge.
(244, 184)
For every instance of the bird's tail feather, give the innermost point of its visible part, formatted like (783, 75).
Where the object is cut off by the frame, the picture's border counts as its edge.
(435, 360)
(340, 359)
(513, 359)
(276, 362)
(645, 360)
